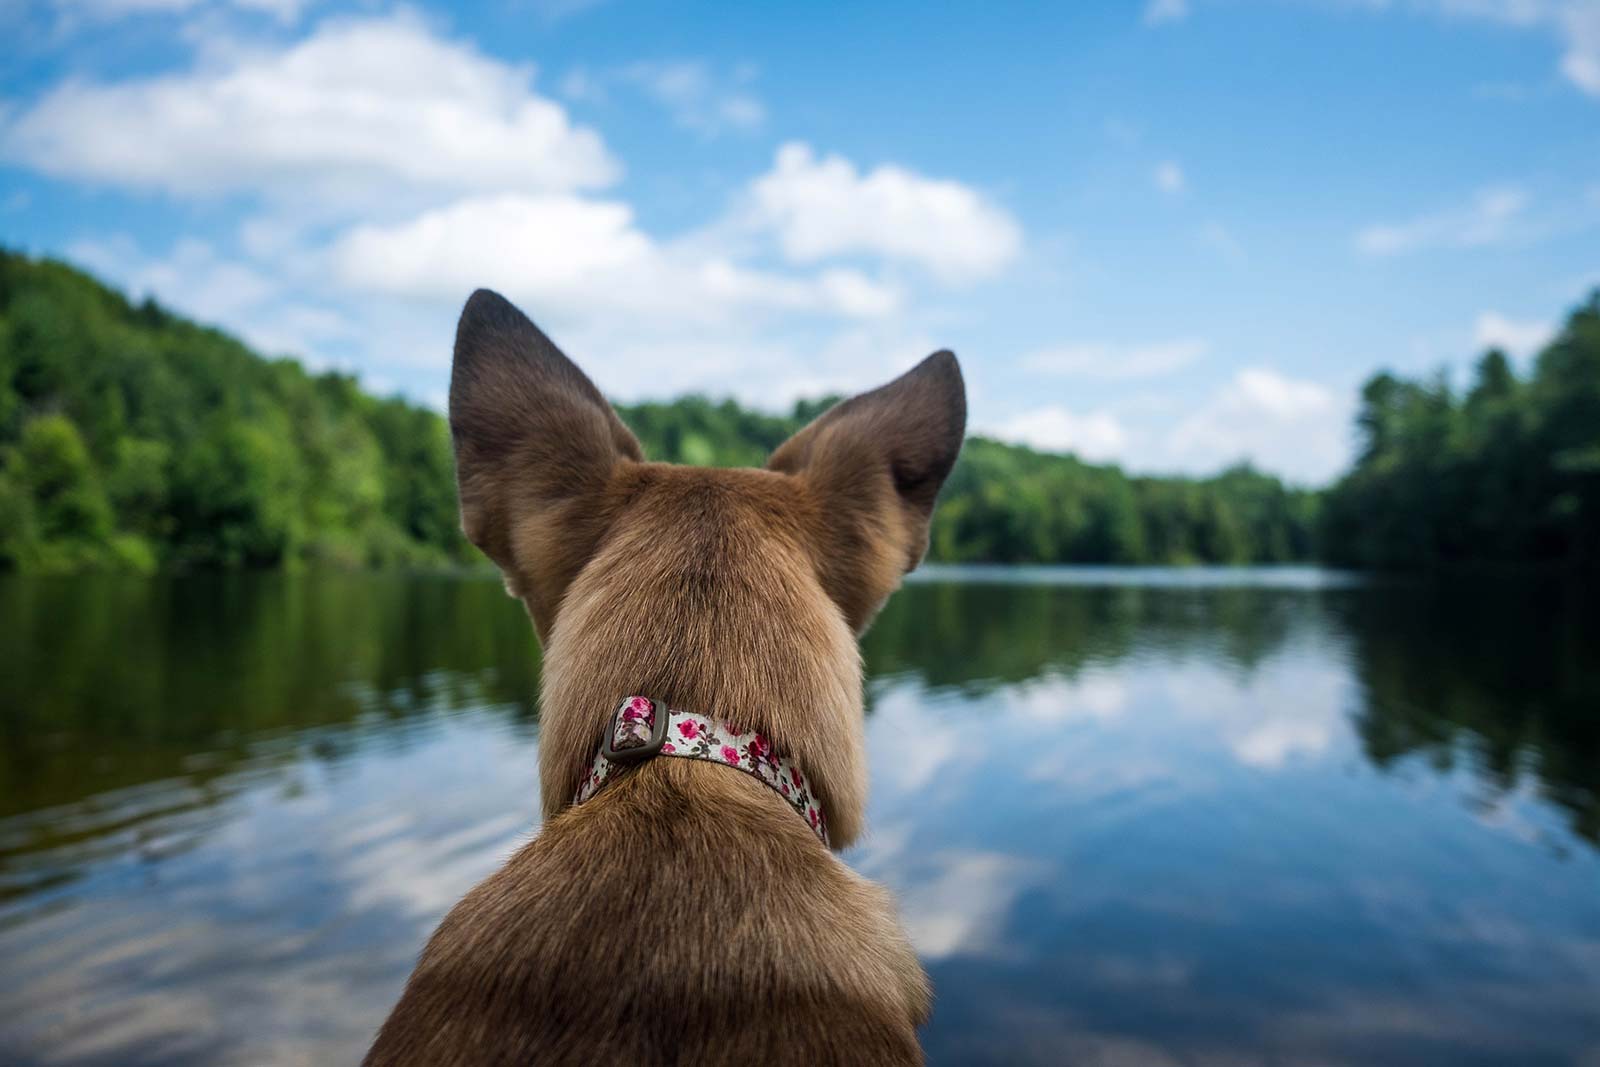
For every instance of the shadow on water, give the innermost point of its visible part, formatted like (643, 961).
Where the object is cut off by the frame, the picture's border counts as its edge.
(124, 701)
(976, 635)
(1503, 678)
(1255, 816)
(109, 682)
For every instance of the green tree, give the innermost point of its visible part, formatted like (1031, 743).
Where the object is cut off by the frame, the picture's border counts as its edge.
(69, 500)
(237, 496)
(138, 483)
(1508, 473)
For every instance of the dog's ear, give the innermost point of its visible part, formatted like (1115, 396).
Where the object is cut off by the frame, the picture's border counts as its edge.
(872, 466)
(536, 446)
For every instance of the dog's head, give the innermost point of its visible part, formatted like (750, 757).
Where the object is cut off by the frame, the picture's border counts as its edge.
(736, 592)
(549, 475)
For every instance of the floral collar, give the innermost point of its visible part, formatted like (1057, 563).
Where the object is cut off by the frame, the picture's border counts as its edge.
(641, 728)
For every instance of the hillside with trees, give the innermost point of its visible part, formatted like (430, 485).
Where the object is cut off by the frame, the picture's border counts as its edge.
(134, 439)
(1506, 472)
(131, 438)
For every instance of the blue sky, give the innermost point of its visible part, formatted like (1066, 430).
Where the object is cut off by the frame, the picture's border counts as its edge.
(1172, 234)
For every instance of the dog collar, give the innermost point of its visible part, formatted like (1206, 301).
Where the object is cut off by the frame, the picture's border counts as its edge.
(642, 728)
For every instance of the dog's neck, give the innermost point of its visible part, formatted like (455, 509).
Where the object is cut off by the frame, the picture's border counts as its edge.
(738, 630)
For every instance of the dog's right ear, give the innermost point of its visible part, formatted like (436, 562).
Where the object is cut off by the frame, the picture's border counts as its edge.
(873, 466)
(536, 445)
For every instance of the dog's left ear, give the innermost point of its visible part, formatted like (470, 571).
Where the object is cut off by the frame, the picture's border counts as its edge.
(536, 445)
(873, 466)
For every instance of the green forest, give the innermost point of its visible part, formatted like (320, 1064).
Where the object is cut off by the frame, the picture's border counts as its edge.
(134, 439)
(1505, 472)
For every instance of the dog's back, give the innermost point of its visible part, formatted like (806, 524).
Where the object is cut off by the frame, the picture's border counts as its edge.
(677, 923)
(683, 913)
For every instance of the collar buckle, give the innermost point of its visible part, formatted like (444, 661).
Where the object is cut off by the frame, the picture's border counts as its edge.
(637, 730)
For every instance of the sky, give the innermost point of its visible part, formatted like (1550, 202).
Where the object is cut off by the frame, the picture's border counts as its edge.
(1172, 234)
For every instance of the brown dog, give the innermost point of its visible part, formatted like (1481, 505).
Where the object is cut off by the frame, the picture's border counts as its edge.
(685, 913)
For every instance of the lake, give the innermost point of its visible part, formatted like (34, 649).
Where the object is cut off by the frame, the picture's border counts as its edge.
(1132, 816)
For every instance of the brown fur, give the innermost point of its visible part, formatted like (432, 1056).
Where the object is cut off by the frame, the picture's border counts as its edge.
(684, 914)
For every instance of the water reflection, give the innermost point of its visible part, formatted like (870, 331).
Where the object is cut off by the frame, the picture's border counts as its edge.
(1139, 817)
(1502, 679)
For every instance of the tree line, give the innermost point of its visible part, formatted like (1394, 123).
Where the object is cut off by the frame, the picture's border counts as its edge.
(1506, 471)
(132, 438)
(1009, 504)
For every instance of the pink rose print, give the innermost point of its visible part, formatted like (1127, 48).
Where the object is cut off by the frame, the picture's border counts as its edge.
(749, 751)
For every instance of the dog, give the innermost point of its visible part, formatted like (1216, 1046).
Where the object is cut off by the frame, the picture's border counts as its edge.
(682, 912)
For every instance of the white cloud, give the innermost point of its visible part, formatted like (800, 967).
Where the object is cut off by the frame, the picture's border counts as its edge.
(1581, 61)
(824, 207)
(646, 317)
(1575, 23)
(1270, 393)
(1162, 12)
(1169, 178)
(690, 92)
(1094, 435)
(524, 242)
(376, 172)
(768, 363)
(1114, 362)
(1492, 218)
(73, 11)
(1298, 428)
(1518, 338)
(1217, 237)
(359, 112)
(584, 255)
(217, 290)
(214, 288)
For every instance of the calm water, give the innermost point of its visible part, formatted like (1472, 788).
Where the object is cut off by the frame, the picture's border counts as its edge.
(1133, 817)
